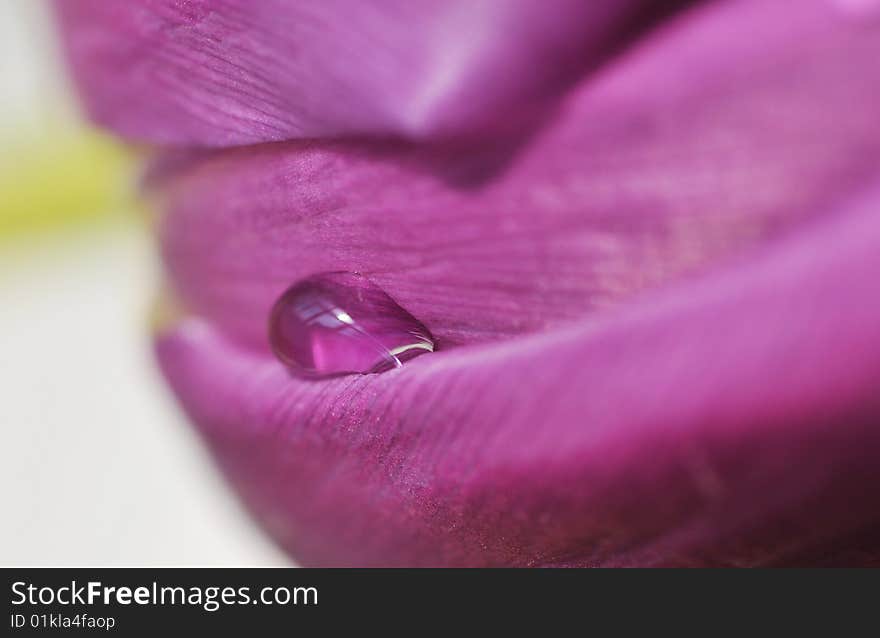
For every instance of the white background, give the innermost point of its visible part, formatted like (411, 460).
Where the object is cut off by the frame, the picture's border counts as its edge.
(97, 465)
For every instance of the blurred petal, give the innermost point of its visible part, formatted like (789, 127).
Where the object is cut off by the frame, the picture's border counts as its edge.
(695, 146)
(726, 417)
(728, 421)
(226, 72)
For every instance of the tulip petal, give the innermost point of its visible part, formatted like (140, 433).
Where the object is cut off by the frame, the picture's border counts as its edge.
(230, 72)
(729, 420)
(724, 417)
(679, 267)
(679, 155)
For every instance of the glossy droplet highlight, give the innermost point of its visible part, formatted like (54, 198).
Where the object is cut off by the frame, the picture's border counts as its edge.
(341, 323)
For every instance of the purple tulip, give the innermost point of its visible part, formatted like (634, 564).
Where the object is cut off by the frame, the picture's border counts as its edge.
(644, 236)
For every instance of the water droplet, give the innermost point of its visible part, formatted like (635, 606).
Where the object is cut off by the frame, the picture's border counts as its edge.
(341, 323)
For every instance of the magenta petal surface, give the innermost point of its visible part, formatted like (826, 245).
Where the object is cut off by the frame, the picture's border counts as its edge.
(657, 320)
(729, 421)
(649, 173)
(229, 72)
(656, 313)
